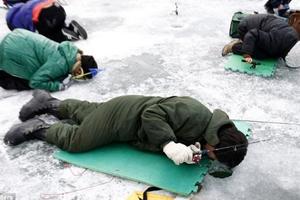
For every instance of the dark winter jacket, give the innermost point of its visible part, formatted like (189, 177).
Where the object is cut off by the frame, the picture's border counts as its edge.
(268, 33)
(276, 3)
(21, 15)
(147, 122)
(35, 58)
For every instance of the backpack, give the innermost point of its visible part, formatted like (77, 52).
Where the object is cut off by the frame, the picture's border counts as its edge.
(236, 19)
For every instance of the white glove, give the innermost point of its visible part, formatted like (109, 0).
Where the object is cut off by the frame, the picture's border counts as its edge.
(178, 152)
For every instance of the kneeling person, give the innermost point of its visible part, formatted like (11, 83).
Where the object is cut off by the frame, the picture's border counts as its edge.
(31, 61)
(264, 36)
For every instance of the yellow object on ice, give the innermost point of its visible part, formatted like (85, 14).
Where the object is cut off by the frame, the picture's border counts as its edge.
(150, 196)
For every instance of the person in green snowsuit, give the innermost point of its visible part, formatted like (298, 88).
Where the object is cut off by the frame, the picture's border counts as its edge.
(32, 61)
(172, 125)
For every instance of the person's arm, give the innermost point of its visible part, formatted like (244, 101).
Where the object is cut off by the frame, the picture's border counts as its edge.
(156, 123)
(47, 76)
(251, 39)
(156, 127)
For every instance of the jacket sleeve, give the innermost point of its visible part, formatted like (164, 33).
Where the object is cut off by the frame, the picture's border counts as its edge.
(252, 38)
(156, 127)
(48, 76)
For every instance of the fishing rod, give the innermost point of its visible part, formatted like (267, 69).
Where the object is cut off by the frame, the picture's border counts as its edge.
(93, 72)
(237, 147)
(267, 122)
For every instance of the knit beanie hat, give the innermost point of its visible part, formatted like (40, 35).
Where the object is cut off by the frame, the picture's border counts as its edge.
(237, 142)
(88, 63)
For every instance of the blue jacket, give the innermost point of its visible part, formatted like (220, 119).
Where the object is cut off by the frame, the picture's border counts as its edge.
(20, 15)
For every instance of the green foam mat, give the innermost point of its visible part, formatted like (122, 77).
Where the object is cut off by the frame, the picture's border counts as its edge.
(266, 68)
(154, 169)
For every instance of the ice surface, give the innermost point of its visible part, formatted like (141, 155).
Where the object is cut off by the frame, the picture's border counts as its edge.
(146, 49)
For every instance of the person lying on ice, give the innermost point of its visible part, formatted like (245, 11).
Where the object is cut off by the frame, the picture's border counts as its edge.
(264, 36)
(47, 17)
(29, 60)
(171, 125)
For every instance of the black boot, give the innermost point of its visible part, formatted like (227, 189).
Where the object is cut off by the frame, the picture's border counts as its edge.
(31, 129)
(78, 29)
(41, 103)
(70, 35)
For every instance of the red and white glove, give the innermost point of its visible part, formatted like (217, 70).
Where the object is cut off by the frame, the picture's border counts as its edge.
(248, 59)
(196, 148)
(178, 153)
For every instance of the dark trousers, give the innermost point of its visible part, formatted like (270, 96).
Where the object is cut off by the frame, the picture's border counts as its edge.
(10, 82)
(81, 137)
(258, 53)
(237, 48)
(51, 22)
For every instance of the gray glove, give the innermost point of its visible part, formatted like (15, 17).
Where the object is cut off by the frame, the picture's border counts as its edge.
(66, 83)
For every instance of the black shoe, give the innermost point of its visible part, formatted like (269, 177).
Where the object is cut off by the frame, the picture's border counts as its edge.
(31, 129)
(78, 29)
(70, 35)
(41, 103)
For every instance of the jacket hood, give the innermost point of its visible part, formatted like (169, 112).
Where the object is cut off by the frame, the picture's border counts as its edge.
(218, 119)
(69, 51)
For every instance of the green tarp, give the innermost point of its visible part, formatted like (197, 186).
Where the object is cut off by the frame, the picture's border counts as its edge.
(154, 169)
(266, 68)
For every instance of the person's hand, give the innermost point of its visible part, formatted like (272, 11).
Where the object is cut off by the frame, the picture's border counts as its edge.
(248, 59)
(178, 153)
(66, 83)
(196, 148)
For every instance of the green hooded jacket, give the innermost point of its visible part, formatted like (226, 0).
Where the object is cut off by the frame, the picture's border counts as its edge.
(33, 57)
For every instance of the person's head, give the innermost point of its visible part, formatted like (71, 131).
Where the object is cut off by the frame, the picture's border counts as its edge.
(294, 21)
(229, 136)
(83, 68)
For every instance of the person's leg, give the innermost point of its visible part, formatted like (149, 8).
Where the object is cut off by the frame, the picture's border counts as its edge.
(51, 22)
(76, 110)
(10, 82)
(258, 53)
(237, 48)
(89, 135)
(31, 129)
(73, 138)
(228, 48)
(42, 103)
(75, 27)
(55, 35)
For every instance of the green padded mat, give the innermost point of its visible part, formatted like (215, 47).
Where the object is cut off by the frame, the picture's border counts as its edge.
(154, 169)
(266, 68)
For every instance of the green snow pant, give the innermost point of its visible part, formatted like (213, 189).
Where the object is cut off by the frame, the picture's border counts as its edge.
(83, 136)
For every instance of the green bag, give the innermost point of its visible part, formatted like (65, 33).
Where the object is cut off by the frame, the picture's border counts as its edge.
(236, 19)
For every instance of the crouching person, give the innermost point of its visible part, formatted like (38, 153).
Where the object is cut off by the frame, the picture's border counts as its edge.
(171, 125)
(47, 17)
(29, 60)
(264, 36)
